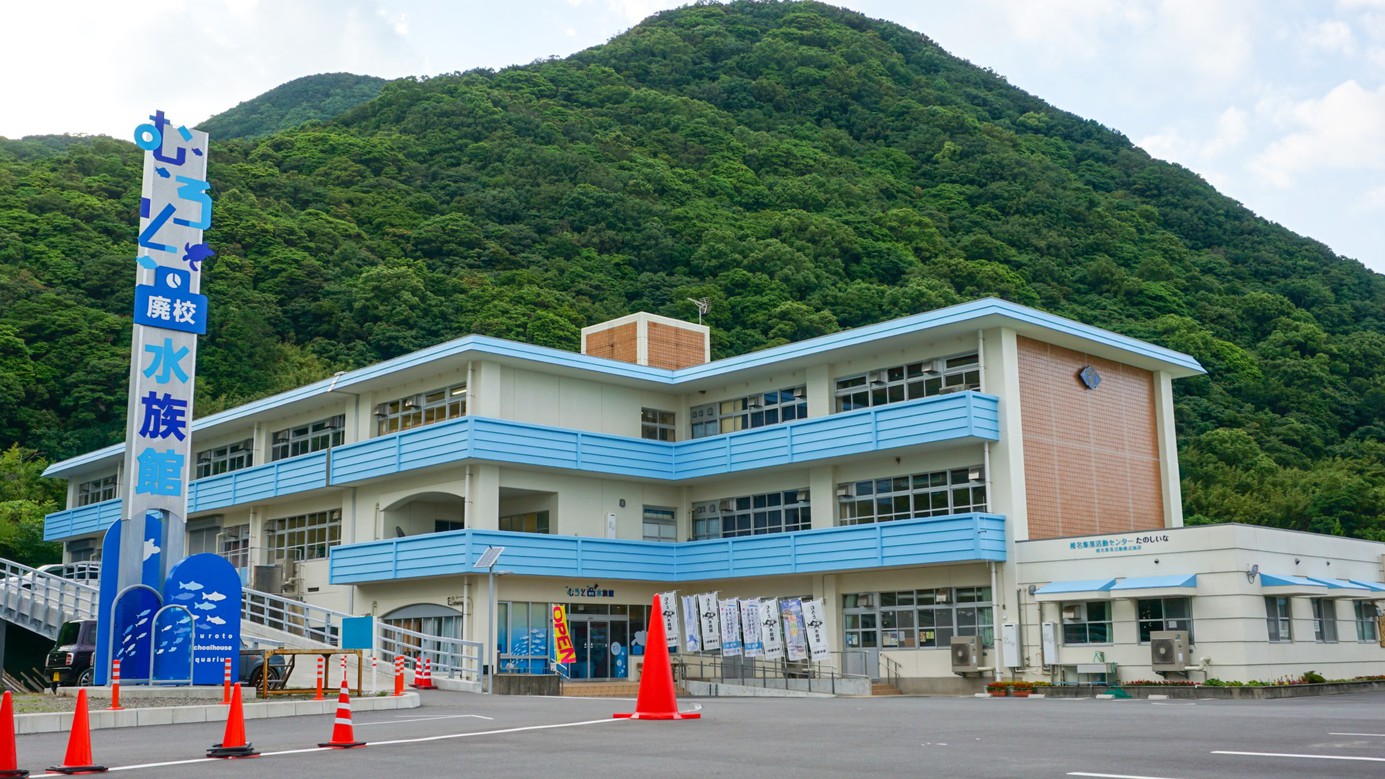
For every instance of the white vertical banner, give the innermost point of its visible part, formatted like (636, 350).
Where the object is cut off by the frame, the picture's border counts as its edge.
(795, 643)
(750, 628)
(710, 616)
(771, 635)
(692, 638)
(730, 610)
(668, 604)
(815, 627)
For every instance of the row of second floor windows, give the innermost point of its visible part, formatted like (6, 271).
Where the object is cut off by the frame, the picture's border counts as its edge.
(96, 490)
(909, 382)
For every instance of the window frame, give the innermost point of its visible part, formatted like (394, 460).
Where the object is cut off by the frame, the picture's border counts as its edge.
(1086, 623)
(420, 409)
(762, 409)
(664, 519)
(658, 425)
(895, 620)
(1324, 620)
(540, 523)
(1146, 625)
(752, 515)
(1366, 627)
(310, 534)
(910, 381)
(1279, 622)
(315, 436)
(97, 490)
(235, 456)
(912, 496)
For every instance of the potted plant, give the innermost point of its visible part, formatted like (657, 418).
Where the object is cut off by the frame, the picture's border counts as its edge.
(1021, 689)
(998, 689)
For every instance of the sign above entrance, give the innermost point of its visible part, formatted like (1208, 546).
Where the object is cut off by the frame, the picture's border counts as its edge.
(594, 591)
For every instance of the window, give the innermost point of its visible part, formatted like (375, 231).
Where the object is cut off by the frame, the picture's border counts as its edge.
(522, 636)
(917, 619)
(907, 497)
(235, 545)
(313, 437)
(1278, 618)
(660, 524)
(303, 537)
(1164, 614)
(656, 425)
(771, 512)
(1087, 623)
(200, 536)
(533, 522)
(96, 490)
(446, 525)
(425, 408)
(1325, 620)
(224, 459)
(1365, 620)
(909, 382)
(769, 408)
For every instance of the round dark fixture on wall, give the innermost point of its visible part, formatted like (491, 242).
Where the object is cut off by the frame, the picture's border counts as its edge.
(1089, 377)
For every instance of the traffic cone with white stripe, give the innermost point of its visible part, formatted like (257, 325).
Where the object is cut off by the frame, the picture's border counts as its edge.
(233, 744)
(423, 674)
(343, 735)
(78, 759)
(9, 761)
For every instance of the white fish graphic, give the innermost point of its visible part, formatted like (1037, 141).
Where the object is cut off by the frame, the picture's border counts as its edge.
(150, 548)
(166, 628)
(216, 620)
(141, 622)
(194, 586)
(213, 596)
(204, 606)
(184, 596)
(159, 652)
(142, 636)
(144, 613)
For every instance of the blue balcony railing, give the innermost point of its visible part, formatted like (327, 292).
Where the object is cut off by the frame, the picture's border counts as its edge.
(950, 539)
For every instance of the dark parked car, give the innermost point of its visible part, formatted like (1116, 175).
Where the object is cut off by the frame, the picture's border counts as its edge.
(69, 662)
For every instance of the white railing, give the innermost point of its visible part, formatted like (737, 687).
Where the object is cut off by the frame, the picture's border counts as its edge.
(41, 601)
(314, 623)
(449, 656)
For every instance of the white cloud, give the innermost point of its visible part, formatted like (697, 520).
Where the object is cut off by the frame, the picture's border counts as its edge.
(1344, 130)
(1333, 36)
(1371, 200)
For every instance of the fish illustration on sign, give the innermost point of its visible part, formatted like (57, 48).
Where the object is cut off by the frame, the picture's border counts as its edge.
(194, 586)
(213, 596)
(204, 606)
(184, 596)
(216, 620)
(144, 613)
(141, 622)
(150, 548)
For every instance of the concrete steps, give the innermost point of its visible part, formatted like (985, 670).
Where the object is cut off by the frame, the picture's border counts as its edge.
(882, 688)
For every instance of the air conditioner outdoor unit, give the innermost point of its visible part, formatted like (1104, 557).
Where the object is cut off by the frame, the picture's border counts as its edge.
(966, 654)
(727, 505)
(879, 377)
(1168, 650)
(846, 490)
(267, 578)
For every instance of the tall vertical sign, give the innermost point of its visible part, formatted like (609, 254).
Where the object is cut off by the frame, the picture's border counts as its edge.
(169, 315)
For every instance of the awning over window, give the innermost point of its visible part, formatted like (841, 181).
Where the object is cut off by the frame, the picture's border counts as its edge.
(1341, 588)
(1376, 589)
(1279, 584)
(1088, 589)
(1169, 586)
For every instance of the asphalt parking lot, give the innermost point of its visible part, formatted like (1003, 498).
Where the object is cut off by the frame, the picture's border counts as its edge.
(471, 735)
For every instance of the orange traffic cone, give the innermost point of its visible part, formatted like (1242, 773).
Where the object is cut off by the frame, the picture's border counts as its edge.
(423, 674)
(343, 736)
(657, 699)
(233, 744)
(78, 760)
(9, 761)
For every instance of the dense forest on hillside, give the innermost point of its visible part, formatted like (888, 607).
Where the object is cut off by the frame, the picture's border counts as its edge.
(805, 168)
(324, 96)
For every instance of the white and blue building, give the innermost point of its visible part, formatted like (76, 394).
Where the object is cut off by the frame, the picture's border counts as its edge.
(980, 470)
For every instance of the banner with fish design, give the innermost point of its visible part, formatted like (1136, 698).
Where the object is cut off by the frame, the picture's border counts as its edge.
(210, 588)
(172, 644)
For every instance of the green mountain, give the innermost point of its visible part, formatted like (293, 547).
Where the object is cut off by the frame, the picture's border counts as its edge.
(311, 98)
(803, 167)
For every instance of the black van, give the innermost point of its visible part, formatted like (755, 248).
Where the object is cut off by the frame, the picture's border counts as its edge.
(69, 662)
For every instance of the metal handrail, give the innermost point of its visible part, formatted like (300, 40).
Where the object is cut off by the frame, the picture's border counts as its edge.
(31, 597)
(890, 670)
(451, 656)
(314, 623)
(801, 674)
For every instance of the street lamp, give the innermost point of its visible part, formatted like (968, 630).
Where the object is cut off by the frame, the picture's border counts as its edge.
(487, 561)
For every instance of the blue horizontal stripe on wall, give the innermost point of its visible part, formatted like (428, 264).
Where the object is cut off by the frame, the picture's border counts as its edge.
(285, 477)
(951, 539)
(959, 416)
(955, 417)
(81, 521)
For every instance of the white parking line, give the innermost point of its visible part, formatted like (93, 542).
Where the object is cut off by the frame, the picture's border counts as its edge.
(1377, 735)
(1305, 757)
(1116, 776)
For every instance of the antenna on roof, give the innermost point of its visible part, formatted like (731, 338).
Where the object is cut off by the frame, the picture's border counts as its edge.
(703, 305)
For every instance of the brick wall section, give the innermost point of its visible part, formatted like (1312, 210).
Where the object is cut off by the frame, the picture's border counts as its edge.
(1091, 457)
(675, 347)
(615, 343)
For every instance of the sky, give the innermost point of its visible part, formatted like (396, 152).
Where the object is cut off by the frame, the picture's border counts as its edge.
(1279, 104)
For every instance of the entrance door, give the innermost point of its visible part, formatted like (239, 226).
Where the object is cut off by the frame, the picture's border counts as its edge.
(602, 647)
